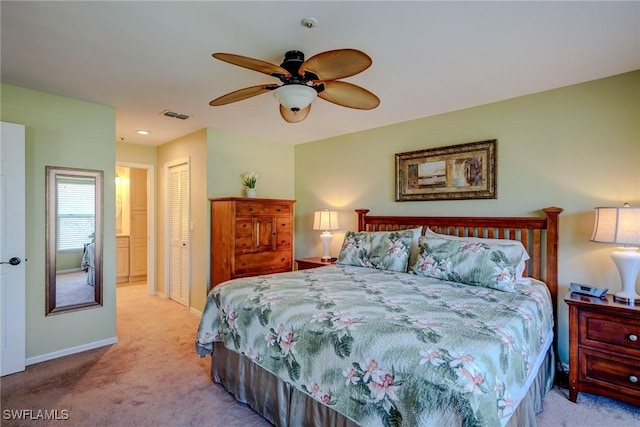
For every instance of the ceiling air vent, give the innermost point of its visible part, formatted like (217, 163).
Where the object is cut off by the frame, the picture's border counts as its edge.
(175, 115)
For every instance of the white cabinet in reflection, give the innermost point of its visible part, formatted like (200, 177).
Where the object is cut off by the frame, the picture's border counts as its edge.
(122, 259)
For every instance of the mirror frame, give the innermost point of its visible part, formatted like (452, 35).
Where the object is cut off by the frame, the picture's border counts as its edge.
(52, 173)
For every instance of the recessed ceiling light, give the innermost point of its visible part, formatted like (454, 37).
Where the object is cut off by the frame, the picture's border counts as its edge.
(143, 132)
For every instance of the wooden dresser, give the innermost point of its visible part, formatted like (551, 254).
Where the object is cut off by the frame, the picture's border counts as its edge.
(250, 237)
(604, 348)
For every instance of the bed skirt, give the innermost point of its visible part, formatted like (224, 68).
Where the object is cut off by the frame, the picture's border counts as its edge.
(286, 406)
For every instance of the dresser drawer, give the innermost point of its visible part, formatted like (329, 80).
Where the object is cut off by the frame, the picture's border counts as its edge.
(608, 332)
(604, 370)
(257, 208)
(264, 263)
(244, 227)
(244, 244)
(283, 225)
(283, 241)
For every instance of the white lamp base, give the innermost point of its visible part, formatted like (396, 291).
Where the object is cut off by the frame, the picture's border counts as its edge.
(627, 260)
(326, 242)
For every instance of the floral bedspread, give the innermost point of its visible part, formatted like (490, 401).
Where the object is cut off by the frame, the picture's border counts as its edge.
(386, 348)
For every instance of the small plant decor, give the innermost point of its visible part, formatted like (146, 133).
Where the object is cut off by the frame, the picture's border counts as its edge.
(249, 179)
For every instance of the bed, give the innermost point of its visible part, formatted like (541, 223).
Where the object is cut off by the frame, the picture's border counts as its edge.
(88, 263)
(377, 340)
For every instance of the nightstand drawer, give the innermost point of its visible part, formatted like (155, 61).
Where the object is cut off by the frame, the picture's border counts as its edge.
(608, 332)
(603, 370)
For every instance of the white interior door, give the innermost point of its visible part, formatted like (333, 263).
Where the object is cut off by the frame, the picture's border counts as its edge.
(12, 248)
(179, 255)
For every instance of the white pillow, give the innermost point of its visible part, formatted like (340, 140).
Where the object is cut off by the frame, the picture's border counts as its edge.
(520, 280)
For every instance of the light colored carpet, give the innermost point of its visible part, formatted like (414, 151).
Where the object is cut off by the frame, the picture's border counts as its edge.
(72, 288)
(152, 377)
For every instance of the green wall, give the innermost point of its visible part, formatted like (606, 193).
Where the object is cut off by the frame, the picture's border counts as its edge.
(71, 133)
(136, 153)
(230, 155)
(576, 147)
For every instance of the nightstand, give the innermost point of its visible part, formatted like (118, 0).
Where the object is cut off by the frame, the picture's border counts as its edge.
(314, 262)
(604, 348)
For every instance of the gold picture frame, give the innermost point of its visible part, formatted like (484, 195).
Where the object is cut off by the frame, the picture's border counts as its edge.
(456, 172)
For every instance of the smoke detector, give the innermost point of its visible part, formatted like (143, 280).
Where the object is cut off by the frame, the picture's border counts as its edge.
(309, 22)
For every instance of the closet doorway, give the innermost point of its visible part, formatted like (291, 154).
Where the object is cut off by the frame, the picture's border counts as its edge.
(135, 229)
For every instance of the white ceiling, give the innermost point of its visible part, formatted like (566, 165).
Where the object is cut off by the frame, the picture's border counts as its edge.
(428, 57)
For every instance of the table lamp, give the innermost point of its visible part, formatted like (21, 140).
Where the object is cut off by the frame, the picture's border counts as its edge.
(621, 226)
(327, 221)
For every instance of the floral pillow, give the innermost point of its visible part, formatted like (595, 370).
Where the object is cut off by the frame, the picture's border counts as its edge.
(518, 246)
(384, 250)
(474, 263)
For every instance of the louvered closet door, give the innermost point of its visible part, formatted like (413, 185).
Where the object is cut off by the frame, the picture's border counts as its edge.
(179, 233)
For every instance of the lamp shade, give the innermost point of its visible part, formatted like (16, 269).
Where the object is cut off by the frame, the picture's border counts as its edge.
(617, 225)
(325, 220)
(295, 97)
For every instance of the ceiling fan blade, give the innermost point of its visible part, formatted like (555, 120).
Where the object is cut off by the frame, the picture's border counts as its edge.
(241, 94)
(336, 64)
(252, 64)
(349, 95)
(296, 117)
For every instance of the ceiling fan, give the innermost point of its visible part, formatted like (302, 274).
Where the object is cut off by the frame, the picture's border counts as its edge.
(303, 80)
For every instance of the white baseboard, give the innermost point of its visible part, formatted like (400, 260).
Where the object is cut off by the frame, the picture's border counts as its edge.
(196, 312)
(70, 350)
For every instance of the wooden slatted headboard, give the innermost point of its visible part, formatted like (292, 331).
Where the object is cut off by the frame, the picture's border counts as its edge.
(539, 235)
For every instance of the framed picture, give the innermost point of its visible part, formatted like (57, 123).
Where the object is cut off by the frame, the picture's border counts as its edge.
(465, 171)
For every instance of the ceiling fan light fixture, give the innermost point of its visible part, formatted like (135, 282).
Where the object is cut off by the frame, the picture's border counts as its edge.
(295, 97)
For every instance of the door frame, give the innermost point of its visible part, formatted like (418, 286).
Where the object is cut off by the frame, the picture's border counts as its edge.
(151, 222)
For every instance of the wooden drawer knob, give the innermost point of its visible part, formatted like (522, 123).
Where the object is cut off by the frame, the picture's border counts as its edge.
(633, 337)
(633, 379)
